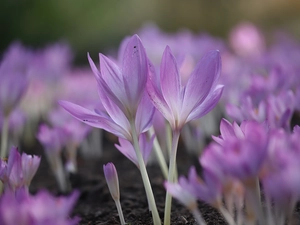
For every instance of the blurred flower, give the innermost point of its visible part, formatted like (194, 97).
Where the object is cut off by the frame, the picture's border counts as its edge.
(36, 210)
(53, 140)
(19, 170)
(280, 178)
(246, 40)
(13, 76)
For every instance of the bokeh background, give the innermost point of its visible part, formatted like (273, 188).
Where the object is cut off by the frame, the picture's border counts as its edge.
(97, 25)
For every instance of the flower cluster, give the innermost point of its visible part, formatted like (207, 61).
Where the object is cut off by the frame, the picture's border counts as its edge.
(160, 87)
(42, 208)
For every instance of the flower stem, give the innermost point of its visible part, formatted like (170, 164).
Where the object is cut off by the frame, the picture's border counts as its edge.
(227, 215)
(4, 137)
(172, 169)
(120, 212)
(253, 200)
(145, 178)
(197, 215)
(159, 155)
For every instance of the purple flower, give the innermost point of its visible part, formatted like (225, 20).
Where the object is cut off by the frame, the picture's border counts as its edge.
(180, 104)
(112, 180)
(122, 93)
(53, 139)
(13, 76)
(44, 209)
(239, 157)
(207, 189)
(178, 191)
(247, 40)
(127, 149)
(51, 63)
(280, 173)
(19, 170)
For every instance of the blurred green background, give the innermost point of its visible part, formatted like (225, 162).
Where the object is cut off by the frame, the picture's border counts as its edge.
(97, 25)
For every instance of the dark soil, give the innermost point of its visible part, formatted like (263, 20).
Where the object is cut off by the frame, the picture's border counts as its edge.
(96, 206)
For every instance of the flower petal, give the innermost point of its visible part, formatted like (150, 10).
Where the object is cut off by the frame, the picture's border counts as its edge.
(170, 81)
(134, 70)
(144, 114)
(95, 120)
(208, 104)
(202, 80)
(93, 66)
(156, 96)
(112, 77)
(226, 129)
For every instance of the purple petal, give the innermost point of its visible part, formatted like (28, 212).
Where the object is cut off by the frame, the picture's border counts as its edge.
(170, 81)
(226, 129)
(202, 80)
(156, 95)
(112, 76)
(115, 113)
(95, 120)
(209, 103)
(144, 115)
(134, 70)
(93, 66)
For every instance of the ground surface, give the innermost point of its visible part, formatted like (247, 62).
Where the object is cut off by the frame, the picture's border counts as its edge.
(95, 205)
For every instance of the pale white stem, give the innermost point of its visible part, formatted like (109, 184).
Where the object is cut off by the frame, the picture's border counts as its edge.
(253, 200)
(120, 212)
(227, 215)
(71, 164)
(159, 155)
(145, 178)
(197, 215)
(56, 165)
(270, 216)
(169, 139)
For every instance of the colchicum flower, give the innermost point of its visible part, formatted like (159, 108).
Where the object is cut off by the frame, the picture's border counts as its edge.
(112, 181)
(122, 93)
(42, 208)
(128, 111)
(181, 103)
(53, 140)
(18, 171)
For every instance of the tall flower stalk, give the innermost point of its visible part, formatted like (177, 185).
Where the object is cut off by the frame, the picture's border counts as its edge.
(179, 103)
(128, 111)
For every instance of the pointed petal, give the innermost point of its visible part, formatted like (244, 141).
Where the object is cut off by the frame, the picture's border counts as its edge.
(134, 70)
(127, 150)
(202, 80)
(93, 119)
(226, 129)
(209, 103)
(113, 78)
(93, 66)
(170, 81)
(156, 96)
(238, 130)
(115, 113)
(122, 48)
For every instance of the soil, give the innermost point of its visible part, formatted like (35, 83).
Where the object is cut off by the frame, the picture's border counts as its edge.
(95, 205)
